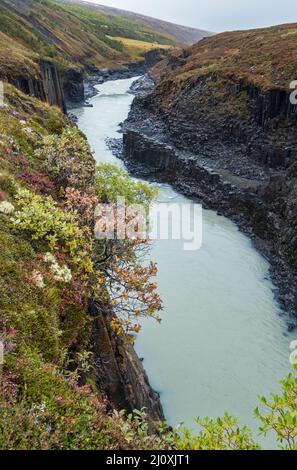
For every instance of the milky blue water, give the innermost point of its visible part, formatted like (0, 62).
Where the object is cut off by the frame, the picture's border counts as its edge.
(223, 340)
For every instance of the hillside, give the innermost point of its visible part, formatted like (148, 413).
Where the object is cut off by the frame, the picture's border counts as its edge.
(184, 35)
(265, 57)
(70, 35)
(71, 303)
(51, 319)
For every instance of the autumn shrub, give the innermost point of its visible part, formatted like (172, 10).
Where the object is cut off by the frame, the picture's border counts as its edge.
(32, 313)
(68, 159)
(39, 182)
(83, 203)
(43, 408)
(217, 434)
(43, 221)
(49, 411)
(112, 182)
(131, 289)
(278, 413)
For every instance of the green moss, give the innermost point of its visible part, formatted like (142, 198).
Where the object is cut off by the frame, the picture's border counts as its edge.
(22, 136)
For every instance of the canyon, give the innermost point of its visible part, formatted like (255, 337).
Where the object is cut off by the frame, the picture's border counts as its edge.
(218, 300)
(226, 141)
(213, 120)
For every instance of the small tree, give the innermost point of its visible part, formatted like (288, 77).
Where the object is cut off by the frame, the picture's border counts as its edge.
(220, 434)
(125, 280)
(279, 413)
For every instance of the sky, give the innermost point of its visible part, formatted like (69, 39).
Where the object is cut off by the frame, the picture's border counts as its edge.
(213, 15)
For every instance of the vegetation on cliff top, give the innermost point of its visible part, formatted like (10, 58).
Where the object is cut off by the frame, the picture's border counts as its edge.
(264, 57)
(50, 267)
(233, 88)
(71, 35)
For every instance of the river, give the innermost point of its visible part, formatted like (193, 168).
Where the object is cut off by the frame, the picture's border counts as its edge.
(223, 339)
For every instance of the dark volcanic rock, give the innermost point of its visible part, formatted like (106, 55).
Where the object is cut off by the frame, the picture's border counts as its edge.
(118, 371)
(142, 86)
(73, 84)
(196, 151)
(117, 73)
(43, 83)
(51, 81)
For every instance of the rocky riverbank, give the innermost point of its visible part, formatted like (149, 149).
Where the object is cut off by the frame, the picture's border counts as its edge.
(80, 85)
(107, 74)
(159, 146)
(83, 84)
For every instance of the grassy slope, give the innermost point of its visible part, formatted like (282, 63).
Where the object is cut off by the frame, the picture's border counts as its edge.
(68, 34)
(182, 34)
(265, 57)
(42, 404)
(136, 48)
(116, 25)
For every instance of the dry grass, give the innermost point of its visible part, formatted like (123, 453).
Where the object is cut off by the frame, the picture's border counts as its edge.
(71, 35)
(137, 49)
(265, 57)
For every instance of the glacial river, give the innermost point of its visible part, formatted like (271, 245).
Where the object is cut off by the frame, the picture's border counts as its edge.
(223, 340)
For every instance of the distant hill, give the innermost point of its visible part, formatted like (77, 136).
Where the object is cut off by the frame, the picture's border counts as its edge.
(71, 35)
(184, 35)
(265, 57)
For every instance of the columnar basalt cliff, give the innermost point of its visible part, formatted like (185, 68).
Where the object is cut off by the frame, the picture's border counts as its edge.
(40, 79)
(219, 125)
(118, 371)
(52, 84)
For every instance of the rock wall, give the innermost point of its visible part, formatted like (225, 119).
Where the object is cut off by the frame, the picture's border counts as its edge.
(118, 371)
(52, 86)
(73, 85)
(213, 110)
(41, 80)
(198, 152)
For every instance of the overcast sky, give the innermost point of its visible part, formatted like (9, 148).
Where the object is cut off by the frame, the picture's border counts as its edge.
(214, 15)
